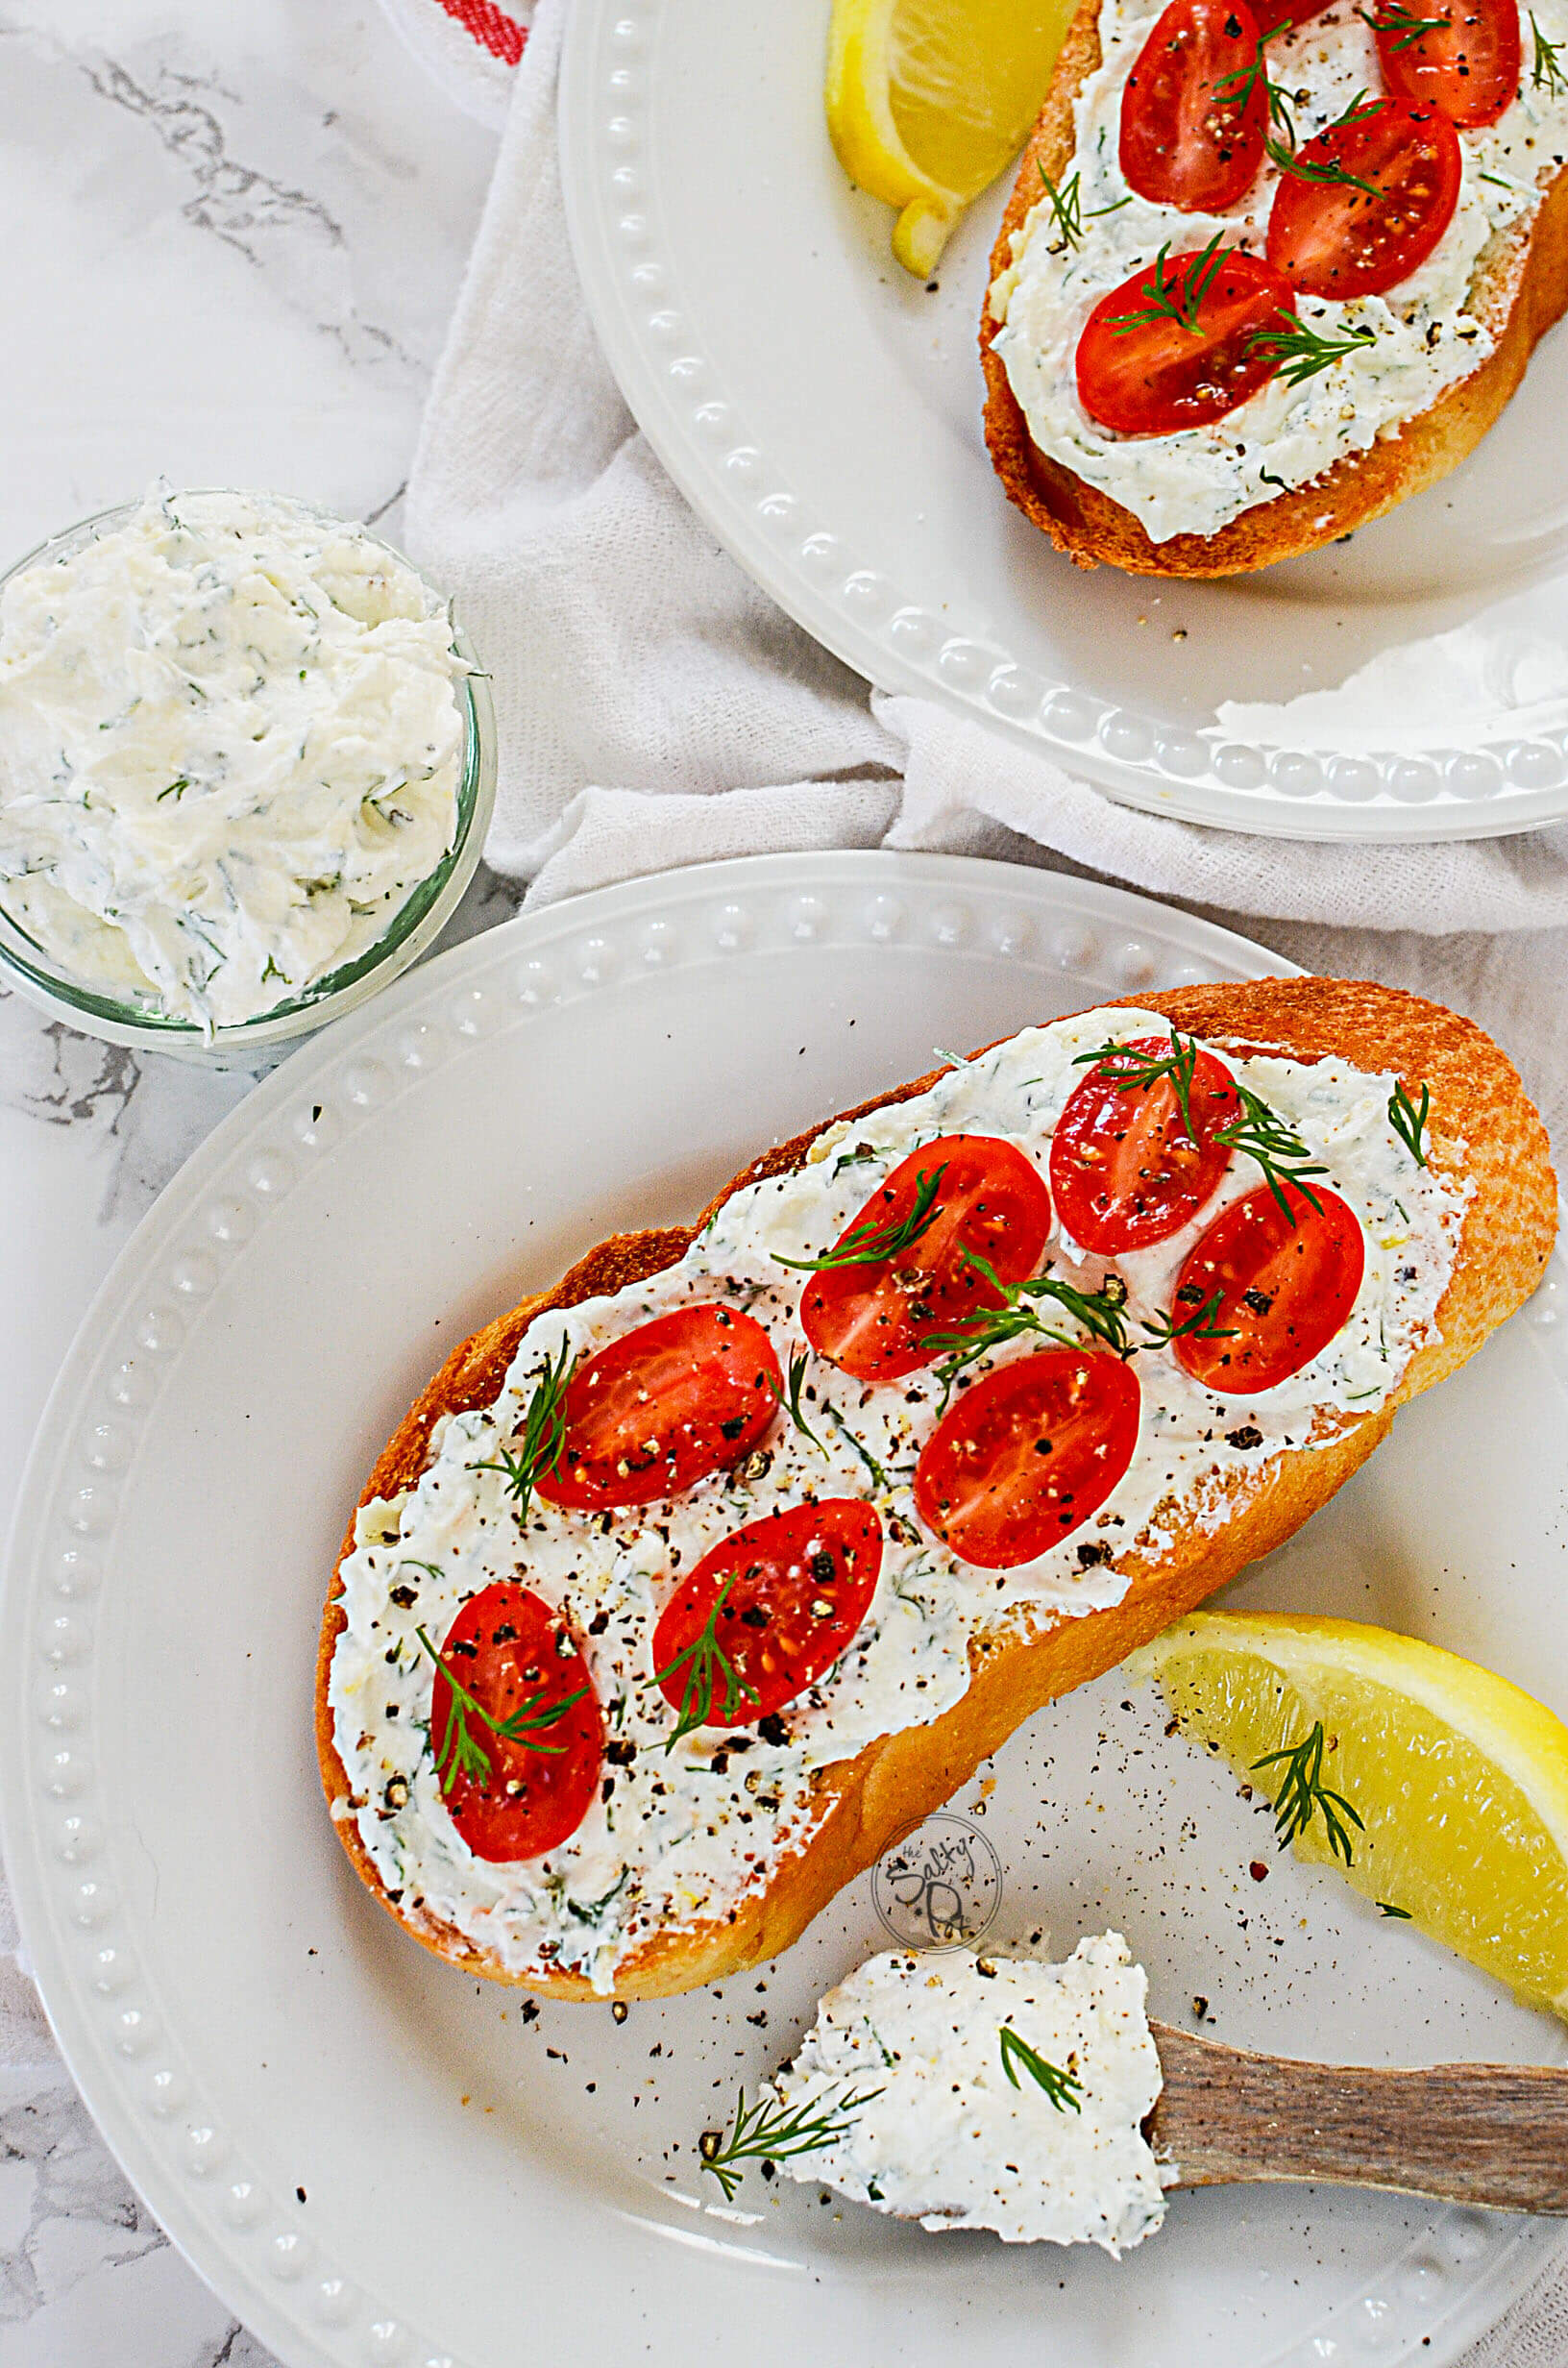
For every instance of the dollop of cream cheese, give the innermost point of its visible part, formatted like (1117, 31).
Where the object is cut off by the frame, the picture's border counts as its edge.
(231, 744)
(678, 1837)
(945, 2137)
(1428, 330)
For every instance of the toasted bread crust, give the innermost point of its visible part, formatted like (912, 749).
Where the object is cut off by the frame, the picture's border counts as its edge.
(867, 1804)
(1522, 289)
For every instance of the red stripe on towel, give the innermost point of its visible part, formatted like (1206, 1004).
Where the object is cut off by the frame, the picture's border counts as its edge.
(491, 27)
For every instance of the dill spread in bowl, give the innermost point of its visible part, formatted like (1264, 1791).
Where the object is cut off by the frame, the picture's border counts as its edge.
(232, 740)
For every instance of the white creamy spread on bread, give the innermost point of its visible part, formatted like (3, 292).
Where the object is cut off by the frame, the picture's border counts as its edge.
(680, 1837)
(1429, 330)
(231, 744)
(945, 2137)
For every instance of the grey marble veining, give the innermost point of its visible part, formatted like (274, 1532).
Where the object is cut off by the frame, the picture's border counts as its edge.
(234, 236)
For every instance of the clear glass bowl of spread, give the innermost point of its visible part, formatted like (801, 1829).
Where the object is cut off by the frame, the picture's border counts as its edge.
(132, 1009)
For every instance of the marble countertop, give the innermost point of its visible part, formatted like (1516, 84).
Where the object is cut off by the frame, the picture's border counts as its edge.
(234, 236)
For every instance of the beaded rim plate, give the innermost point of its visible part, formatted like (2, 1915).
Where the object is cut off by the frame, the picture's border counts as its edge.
(821, 412)
(375, 2160)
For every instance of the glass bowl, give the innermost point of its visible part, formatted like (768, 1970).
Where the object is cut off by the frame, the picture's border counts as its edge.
(134, 1019)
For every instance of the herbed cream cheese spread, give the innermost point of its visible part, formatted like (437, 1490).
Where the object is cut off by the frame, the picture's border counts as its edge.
(678, 1837)
(944, 2136)
(1428, 331)
(231, 744)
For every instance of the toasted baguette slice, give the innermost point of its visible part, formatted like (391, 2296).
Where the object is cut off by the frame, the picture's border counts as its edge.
(1482, 1127)
(1520, 289)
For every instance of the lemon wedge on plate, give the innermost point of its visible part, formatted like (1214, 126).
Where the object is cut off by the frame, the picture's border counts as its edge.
(1438, 1791)
(929, 100)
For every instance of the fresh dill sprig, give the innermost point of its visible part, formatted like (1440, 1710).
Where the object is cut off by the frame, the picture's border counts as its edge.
(1203, 1325)
(1545, 73)
(1284, 151)
(869, 1244)
(1277, 1149)
(176, 790)
(771, 2131)
(857, 1158)
(460, 1753)
(544, 1435)
(1100, 1312)
(273, 971)
(1063, 2089)
(1409, 1120)
(1067, 204)
(1395, 18)
(1132, 1071)
(1235, 90)
(707, 1666)
(1303, 1794)
(1178, 297)
(1324, 169)
(1386, 1906)
(789, 1397)
(850, 1439)
(1303, 352)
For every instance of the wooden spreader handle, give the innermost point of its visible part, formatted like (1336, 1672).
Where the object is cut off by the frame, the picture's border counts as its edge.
(1488, 2134)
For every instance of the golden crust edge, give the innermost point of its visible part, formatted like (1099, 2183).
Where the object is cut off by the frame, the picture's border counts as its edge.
(1091, 527)
(870, 1802)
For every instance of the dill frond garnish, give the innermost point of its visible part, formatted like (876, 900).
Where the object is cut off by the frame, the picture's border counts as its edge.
(1063, 2089)
(771, 2131)
(1178, 297)
(460, 1752)
(707, 1666)
(1279, 1150)
(1303, 1795)
(1132, 1071)
(789, 1397)
(869, 1244)
(1302, 352)
(544, 1435)
(1409, 1120)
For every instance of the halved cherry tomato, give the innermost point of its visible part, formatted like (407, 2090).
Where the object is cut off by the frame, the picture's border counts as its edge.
(1273, 15)
(1284, 1290)
(1027, 1455)
(1145, 372)
(514, 1796)
(873, 1320)
(767, 1611)
(1460, 56)
(1124, 1170)
(652, 1414)
(1192, 124)
(1331, 237)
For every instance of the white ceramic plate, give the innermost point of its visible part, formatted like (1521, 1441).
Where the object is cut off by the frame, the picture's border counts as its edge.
(376, 2160)
(823, 413)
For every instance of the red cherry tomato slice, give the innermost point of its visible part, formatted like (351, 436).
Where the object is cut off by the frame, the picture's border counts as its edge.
(1273, 15)
(517, 1796)
(1466, 62)
(689, 1394)
(1027, 1455)
(873, 1320)
(779, 1600)
(1124, 1170)
(1142, 372)
(1334, 238)
(1192, 126)
(1284, 1290)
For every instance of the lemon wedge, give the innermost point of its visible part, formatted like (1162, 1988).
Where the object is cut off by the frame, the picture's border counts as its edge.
(929, 100)
(1447, 1787)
